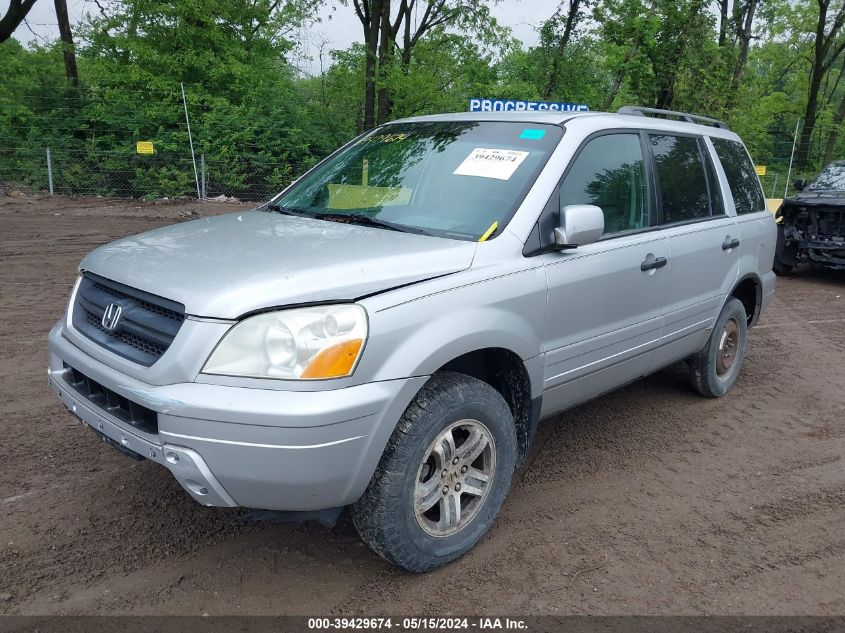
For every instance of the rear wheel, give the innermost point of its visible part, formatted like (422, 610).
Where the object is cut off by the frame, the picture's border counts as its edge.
(443, 476)
(781, 265)
(782, 269)
(714, 370)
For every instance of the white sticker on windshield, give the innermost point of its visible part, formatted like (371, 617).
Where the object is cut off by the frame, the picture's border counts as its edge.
(491, 163)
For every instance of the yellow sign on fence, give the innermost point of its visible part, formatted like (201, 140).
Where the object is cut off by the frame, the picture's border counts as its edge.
(761, 170)
(144, 147)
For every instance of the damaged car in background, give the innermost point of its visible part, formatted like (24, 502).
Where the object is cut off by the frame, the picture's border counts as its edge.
(811, 224)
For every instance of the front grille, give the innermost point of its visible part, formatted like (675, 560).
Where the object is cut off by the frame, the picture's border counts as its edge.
(147, 325)
(123, 409)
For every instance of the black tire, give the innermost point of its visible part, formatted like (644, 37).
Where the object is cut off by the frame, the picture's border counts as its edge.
(781, 269)
(385, 515)
(708, 373)
(780, 266)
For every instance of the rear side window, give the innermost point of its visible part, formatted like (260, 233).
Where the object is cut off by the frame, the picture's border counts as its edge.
(685, 178)
(609, 173)
(745, 186)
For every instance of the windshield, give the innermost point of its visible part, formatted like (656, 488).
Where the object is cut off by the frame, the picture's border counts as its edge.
(455, 179)
(831, 177)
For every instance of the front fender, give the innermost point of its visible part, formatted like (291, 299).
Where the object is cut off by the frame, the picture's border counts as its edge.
(419, 336)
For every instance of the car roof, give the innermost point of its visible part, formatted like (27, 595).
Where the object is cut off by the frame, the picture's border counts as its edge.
(591, 119)
(523, 116)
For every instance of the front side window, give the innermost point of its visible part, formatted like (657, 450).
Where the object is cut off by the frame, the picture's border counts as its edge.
(743, 181)
(685, 179)
(454, 179)
(609, 173)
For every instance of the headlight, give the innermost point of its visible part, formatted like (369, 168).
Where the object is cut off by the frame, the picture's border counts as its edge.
(299, 344)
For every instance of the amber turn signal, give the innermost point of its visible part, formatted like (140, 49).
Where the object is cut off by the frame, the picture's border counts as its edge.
(335, 361)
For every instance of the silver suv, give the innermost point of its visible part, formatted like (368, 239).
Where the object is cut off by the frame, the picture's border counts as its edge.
(387, 332)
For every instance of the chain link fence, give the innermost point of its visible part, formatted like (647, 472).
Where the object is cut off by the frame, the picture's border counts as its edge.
(247, 177)
(93, 167)
(123, 174)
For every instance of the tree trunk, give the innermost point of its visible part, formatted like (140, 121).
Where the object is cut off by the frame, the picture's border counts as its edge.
(67, 41)
(666, 93)
(666, 96)
(744, 35)
(371, 31)
(571, 21)
(406, 42)
(802, 155)
(816, 75)
(723, 21)
(833, 137)
(13, 17)
(383, 63)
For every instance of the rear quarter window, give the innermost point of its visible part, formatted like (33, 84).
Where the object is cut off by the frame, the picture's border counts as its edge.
(742, 179)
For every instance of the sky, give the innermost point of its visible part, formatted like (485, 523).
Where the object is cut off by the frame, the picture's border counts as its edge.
(338, 29)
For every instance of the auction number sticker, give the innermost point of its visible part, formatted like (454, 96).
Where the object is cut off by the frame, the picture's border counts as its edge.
(491, 163)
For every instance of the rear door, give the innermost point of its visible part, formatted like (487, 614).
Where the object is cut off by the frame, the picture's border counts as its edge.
(755, 222)
(605, 300)
(703, 241)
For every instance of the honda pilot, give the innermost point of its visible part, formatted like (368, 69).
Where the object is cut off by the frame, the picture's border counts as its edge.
(385, 334)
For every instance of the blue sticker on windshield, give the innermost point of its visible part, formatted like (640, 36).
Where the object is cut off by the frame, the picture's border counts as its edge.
(534, 135)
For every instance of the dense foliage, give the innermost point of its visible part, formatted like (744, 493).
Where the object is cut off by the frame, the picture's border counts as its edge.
(259, 121)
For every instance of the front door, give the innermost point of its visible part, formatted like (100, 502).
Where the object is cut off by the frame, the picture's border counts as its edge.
(605, 300)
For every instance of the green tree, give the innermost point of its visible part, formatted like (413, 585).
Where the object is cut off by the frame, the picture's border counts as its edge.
(15, 14)
(556, 34)
(414, 20)
(827, 47)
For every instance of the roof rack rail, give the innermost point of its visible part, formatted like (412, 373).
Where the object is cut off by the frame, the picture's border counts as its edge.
(683, 116)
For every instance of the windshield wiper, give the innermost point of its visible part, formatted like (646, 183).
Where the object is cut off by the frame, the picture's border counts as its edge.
(277, 208)
(364, 220)
(348, 218)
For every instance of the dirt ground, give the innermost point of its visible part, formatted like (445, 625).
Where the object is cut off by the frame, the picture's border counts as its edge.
(651, 500)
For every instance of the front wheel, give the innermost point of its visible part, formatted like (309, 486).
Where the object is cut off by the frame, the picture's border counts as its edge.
(714, 370)
(443, 476)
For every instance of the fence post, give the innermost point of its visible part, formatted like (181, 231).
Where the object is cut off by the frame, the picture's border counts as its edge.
(774, 185)
(50, 171)
(190, 140)
(791, 156)
(202, 175)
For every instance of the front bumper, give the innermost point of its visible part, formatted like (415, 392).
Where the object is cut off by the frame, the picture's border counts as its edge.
(237, 446)
(826, 251)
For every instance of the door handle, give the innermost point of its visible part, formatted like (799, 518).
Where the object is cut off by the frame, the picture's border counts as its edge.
(729, 243)
(650, 263)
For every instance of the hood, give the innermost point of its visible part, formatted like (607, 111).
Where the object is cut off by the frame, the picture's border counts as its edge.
(229, 265)
(819, 197)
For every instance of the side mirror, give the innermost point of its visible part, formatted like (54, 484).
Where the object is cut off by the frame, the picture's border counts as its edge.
(580, 224)
(799, 184)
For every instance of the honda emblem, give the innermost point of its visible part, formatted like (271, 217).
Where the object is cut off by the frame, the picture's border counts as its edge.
(111, 317)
